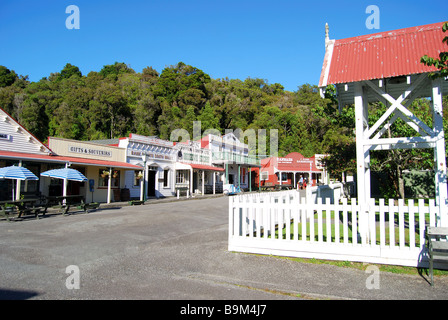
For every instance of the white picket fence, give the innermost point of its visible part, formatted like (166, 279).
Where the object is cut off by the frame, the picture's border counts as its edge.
(283, 224)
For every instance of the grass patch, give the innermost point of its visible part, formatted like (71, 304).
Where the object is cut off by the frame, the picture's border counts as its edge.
(363, 266)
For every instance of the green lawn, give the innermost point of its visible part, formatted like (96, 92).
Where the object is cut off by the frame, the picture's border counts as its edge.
(349, 230)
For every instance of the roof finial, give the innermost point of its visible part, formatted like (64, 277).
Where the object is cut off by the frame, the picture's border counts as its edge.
(327, 34)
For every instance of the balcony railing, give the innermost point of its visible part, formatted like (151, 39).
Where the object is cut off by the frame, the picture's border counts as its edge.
(230, 157)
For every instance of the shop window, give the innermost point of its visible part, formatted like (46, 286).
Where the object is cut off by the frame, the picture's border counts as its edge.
(182, 176)
(166, 176)
(264, 175)
(104, 176)
(138, 177)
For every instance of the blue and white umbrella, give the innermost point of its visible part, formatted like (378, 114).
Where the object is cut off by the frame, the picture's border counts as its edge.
(17, 173)
(65, 174)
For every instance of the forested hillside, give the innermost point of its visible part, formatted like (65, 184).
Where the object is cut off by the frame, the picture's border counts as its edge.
(118, 100)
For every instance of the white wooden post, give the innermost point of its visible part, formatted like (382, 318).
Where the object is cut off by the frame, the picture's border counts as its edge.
(156, 187)
(214, 182)
(203, 178)
(191, 184)
(141, 188)
(362, 160)
(439, 154)
(18, 185)
(109, 185)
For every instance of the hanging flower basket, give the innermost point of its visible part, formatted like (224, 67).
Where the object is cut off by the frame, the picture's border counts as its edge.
(139, 175)
(105, 174)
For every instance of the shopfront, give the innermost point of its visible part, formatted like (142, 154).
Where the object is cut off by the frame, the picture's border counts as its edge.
(104, 166)
(288, 170)
(157, 157)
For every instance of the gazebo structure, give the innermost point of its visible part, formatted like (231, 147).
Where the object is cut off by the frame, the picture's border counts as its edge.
(385, 67)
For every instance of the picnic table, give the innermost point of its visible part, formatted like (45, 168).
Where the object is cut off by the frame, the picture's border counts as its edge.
(267, 186)
(283, 187)
(22, 206)
(66, 202)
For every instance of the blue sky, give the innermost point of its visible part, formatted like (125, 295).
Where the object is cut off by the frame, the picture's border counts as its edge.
(280, 41)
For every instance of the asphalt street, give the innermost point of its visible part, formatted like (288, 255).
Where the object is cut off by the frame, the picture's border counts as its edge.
(171, 250)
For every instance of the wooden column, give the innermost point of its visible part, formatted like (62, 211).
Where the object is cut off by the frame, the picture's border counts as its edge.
(109, 186)
(362, 160)
(439, 154)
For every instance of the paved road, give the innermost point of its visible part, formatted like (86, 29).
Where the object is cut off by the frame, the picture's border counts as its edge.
(170, 250)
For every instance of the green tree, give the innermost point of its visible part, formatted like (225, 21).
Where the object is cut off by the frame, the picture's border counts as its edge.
(7, 77)
(109, 112)
(68, 71)
(208, 118)
(112, 71)
(440, 63)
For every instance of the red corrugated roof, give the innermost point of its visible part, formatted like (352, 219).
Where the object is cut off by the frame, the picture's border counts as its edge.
(382, 55)
(63, 159)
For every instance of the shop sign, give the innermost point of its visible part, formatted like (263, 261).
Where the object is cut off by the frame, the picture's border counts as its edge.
(150, 155)
(285, 160)
(90, 152)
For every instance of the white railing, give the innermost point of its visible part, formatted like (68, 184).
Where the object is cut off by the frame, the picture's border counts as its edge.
(282, 223)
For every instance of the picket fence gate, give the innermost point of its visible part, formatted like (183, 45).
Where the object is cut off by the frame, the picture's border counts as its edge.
(283, 224)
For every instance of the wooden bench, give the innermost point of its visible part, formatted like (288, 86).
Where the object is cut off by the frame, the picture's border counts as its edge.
(88, 206)
(437, 247)
(7, 211)
(34, 209)
(64, 203)
(283, 187)
(136, 202)
(22, 207)
(267, 186)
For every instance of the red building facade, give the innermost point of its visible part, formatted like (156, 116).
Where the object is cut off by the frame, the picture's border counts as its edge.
(286, 171)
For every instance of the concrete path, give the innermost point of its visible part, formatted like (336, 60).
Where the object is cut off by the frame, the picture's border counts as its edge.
(170, 249)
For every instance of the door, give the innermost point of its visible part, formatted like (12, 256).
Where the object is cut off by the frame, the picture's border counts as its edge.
(151, 183)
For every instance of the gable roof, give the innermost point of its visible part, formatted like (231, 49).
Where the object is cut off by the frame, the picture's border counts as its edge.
(381, 55)
(18, 138)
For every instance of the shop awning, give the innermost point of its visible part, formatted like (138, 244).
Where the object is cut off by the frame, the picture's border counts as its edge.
(303, 169)
(62, 159)
(203, 167)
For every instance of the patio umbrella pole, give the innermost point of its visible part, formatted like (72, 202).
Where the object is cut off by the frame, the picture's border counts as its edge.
(64, 191)
(17, 184)
(16, 173)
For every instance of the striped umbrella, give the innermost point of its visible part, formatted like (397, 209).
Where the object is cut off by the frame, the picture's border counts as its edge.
(65, 174)
(17, 173)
